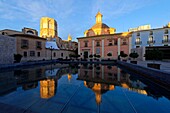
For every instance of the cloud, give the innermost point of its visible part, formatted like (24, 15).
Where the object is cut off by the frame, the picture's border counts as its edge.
(116, 8)
(33, 10)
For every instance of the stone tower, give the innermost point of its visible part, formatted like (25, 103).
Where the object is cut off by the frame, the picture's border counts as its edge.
(48, 28)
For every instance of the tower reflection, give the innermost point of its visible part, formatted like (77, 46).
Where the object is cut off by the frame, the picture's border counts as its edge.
(47, 88)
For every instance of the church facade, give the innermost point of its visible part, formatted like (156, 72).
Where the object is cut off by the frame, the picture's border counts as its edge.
(102, 40)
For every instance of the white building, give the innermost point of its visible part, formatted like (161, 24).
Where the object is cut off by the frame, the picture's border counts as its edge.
(143, 40)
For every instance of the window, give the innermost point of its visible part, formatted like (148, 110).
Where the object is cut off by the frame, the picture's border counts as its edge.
(115, 42)
(110, 43)
(38, 54)
(151, 40)
(54, 54)
(38, 45)
(97, 43)
(97, 50)
(85, 44)
(32, 53)
(30, 32)
(138, 34)
(61, 54)
(25, 54)
(138, 41)
(124, 42)
(24, 44)
(166, 39)
(166, 31)
(151, 32)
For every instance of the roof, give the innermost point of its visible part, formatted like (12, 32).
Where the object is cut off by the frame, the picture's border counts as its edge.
(99, 25)
(124, 34)
(51, 45)
(27, 35)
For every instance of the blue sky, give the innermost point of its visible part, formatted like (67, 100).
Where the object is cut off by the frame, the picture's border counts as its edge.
(76, 16)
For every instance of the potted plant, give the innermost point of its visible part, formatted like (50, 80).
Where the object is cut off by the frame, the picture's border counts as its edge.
(133, 55)
(124, 55)
(17, 58)
(98, 56)
(91, 56)
(109, 55)
(94, 56)
(154, 55)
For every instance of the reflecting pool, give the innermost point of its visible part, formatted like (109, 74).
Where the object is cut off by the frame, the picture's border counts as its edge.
(83, 88)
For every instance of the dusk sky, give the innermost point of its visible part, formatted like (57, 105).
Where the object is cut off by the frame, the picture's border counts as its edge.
(75, 16)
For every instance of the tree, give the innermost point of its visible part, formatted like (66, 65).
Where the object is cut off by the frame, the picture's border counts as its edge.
(91, 56)
(17, 58)
(109, 54)
(122, 54)
(134, 55)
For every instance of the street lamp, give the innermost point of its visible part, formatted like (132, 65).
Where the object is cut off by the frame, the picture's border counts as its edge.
(51, 51)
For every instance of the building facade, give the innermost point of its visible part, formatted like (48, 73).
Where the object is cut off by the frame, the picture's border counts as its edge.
(28, 44)
(101, 40)
(7, 49)
(144, 40)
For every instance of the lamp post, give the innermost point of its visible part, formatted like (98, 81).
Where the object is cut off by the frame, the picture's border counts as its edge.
(51, 51)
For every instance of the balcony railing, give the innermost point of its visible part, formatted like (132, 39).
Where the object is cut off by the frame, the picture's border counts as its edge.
(166, 41)
(24, 46)
(151, 42)
(138, 42)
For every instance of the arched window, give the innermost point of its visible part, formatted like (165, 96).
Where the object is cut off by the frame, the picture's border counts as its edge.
(30, 32)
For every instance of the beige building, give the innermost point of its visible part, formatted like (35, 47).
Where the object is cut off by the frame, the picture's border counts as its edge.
(28, 44)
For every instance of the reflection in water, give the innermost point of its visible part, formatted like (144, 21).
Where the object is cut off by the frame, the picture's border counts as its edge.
(98, 78)
(101, 79)
(69, 76)
(47, 88)
(28, 79)
(98, 89)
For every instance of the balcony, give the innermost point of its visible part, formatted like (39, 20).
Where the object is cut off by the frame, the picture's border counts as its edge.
(151, 42)
(165, 41)
(24, 46)
(138, 42)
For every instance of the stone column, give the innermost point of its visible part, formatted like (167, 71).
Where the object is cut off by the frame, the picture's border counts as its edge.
(118, 46)
(130, 44)
(93, 46)
(102, 48)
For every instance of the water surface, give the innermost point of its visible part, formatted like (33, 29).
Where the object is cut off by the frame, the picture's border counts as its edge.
(87, 88)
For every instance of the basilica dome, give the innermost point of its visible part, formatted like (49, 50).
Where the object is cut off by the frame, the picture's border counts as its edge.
(99, 28)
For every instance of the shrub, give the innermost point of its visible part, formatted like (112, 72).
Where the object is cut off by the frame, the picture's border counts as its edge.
(17, 58)
(134, 55)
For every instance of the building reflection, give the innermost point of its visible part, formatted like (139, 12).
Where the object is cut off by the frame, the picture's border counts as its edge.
(98, 89)
(100, 79)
